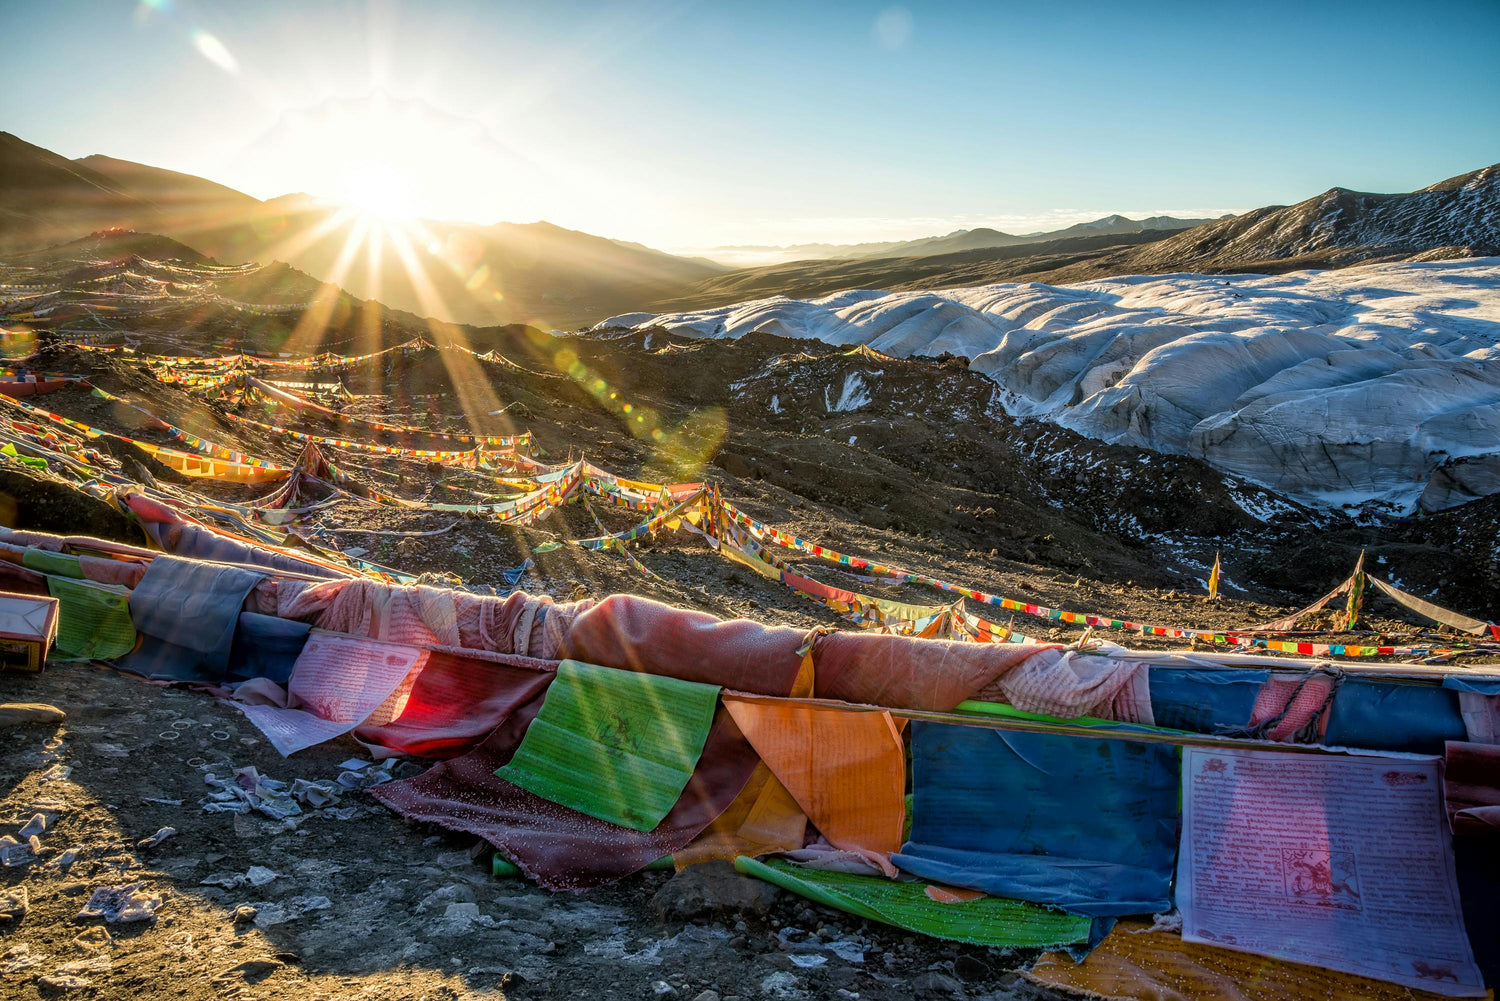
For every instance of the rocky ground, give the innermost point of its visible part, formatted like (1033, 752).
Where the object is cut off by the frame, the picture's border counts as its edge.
(346, 900)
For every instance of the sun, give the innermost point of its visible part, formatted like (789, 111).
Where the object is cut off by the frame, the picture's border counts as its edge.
(378, 190)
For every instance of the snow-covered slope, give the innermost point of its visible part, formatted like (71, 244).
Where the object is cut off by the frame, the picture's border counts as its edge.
(1377, 382)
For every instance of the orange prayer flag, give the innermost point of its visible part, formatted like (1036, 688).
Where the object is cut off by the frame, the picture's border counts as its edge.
(845, 768)
(762, 819)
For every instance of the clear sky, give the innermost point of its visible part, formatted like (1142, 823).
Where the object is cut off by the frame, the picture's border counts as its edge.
(690, 125)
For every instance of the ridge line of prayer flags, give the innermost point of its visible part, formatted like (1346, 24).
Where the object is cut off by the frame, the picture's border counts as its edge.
(672, 506)
(1216, 637)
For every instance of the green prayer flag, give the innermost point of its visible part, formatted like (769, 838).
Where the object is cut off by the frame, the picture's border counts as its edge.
(56, 564)
(35, 463)
(991, 921)
(93, 620)
(616, 745)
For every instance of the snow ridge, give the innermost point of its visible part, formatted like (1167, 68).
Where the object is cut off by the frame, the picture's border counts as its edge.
(1376, 383)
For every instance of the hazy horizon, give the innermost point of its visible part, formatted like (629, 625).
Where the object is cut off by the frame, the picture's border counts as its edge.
(691, 127)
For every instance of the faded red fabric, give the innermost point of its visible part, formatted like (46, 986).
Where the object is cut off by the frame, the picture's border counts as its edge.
(819, 589)
(905, 672)
(520, 623)
(1281, 694)
(456, 701)
(102, 570)
(637, 634)
(1471, 788)
(559, 848)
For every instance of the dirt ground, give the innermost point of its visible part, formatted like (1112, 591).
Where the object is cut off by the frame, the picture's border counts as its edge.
(362, 903)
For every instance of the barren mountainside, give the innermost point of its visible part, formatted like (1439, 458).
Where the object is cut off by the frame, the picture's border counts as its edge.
(1461, 212)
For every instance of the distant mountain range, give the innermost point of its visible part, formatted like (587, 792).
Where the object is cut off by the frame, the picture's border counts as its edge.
(1456, 218)
(553, 277)
(504, 273)
(959, 240)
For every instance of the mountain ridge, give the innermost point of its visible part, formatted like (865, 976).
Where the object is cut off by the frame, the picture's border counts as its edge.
(1457, 217)
(455, 272)
(976, 238)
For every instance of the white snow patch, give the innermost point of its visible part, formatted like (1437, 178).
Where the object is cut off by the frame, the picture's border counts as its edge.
(1330, 386)
(854, 395)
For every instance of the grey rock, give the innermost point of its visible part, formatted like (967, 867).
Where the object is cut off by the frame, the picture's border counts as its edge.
(122, 904)
(157, 838)
(14, 903)
(440, 899)
(933, 982)
(18, 713)
(781, 985)
(36, 825)
(259, 875)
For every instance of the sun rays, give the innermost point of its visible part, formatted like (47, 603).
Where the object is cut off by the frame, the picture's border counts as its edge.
(382, 161)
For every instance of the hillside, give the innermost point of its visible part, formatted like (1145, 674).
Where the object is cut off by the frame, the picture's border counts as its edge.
(915, 459)
(545, 275)
(810, 279)
(457, 272)
(46, 198)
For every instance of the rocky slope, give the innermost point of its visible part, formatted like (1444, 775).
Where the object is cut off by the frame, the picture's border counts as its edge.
(1342, 226)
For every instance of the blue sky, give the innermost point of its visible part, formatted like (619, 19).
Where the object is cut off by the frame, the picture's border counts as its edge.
(690, 125)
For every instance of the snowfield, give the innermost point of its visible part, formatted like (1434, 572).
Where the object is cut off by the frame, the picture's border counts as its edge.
(1370, 383)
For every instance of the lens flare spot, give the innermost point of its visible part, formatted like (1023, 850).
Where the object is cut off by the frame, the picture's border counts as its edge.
(214, 51)
(18, 342)
(478, 278)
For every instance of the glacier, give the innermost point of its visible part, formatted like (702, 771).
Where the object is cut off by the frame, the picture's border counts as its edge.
(1378, 383)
